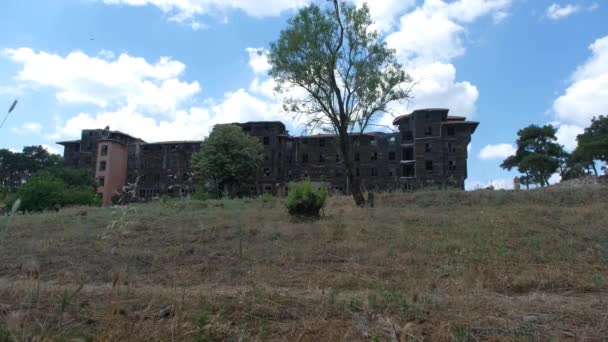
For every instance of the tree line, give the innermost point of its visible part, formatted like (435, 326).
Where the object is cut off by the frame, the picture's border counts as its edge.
(38, 179)
(539, 155)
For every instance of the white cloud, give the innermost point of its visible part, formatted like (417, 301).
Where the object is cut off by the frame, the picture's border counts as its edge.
(429, 38)
(557, 12)
(497, 184)
(51, 149)
(28, 128)
(188, 124)
(185, 10)
(383, 12)
(258, 60)
(106, 80)
(587, 94)
(566, 135)
(499, 151)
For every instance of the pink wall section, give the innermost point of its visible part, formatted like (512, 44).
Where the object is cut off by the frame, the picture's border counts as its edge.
(115, 174)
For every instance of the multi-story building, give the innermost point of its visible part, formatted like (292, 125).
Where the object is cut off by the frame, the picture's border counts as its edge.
(428, 148)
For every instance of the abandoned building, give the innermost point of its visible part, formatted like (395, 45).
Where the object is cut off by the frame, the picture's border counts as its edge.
(428, 147)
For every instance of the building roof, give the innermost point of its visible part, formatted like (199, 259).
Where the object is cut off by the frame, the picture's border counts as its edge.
(334, 135)
(67, 142)
(401, 117)
(177, 142)
(473, 123)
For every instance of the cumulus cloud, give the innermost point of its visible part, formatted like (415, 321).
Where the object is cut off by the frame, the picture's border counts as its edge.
(566, 135)
(498, 184)
(187, 10)
(105, 79)
(429, 38)
(587, 94)
(499, 151)
(28, 128)
(557, 12)
(258, 60)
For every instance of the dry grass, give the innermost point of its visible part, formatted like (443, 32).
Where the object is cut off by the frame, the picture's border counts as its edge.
(436, 266)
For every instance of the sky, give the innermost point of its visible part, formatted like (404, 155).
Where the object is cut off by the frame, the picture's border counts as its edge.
(171, 69)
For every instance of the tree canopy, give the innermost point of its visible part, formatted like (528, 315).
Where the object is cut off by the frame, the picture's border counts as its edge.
(228, 159)
(17, 167)
(343, 74)
(538, 154)
(593, 143)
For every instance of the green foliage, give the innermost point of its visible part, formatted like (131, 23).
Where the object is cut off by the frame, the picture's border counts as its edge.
(229, 158)
(538, 154)
(593, 143)
(17, 167)
(55, 188)
(304, 200)
(202, 327)
(346, 72)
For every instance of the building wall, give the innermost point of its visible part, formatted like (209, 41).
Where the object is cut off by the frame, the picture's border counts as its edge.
(112, 178)
(429, 148)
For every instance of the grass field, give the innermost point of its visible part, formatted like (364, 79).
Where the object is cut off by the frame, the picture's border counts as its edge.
(434, 266)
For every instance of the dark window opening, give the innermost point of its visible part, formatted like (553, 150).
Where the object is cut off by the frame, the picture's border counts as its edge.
(266, 157)
(104, 150)
(186, 176)
(429, 165)
(338, 172)
(407, 136)
(390, 173)
(321, 158)
(374, 172)
(451, 148)
(102, 165)
(357, 156)
(408, 153)
(157, 177)
(391, 155)
(321, 142)
(247, 128)
(77, 148)
(101, 181)
(266, 140)
(304, 141)
(357, 172)
(374, 155)
(427, 116)
(428, 147)
(304, 158)
(90, 147)
(267, 172)
(451, 131)
(428, 131)
(337, 158)
(452, 165)
(408, 171)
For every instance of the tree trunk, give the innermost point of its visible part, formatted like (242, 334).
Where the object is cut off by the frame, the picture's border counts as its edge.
(594, 168)
(349, 167)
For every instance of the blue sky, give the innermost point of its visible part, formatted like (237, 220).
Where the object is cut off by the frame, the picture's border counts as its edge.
(169, 69)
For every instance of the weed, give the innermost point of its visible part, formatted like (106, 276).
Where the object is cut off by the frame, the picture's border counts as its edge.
(462, 333)
(202, 326)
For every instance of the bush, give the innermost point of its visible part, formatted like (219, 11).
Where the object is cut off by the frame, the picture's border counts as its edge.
(47, 191)
(304, 200)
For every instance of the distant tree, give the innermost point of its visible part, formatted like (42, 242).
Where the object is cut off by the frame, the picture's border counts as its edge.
(17, 167)
(593, 143)
(229, 158)
(55, 188)
(345, 71)
(538, 154)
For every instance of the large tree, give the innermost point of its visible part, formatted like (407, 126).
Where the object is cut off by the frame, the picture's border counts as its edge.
(538, 154)
(17, 167)
(593, 143)
(345, 74)
(229, 158)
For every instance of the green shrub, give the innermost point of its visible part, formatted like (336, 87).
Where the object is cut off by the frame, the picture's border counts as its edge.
(305, 200)
(46, 191)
